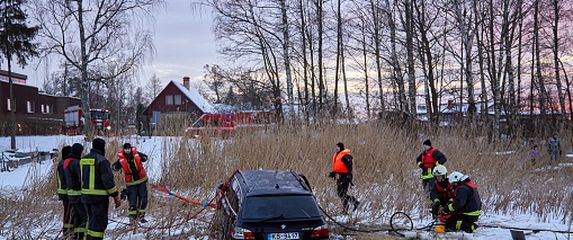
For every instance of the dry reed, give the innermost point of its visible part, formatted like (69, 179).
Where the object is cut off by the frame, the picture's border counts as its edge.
(385, 175)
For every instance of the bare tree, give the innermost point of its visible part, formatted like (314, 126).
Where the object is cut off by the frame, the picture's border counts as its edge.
(153, 87)
(555, 4)
(91, 33)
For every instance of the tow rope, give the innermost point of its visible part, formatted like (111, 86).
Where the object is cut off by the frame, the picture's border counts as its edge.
(164, 189)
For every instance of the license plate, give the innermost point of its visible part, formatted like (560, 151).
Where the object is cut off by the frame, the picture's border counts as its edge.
(283, 236)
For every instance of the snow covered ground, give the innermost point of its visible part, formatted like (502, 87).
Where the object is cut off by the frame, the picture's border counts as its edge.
(155, 147)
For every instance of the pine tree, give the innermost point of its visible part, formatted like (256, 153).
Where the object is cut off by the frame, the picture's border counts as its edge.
(16, 38)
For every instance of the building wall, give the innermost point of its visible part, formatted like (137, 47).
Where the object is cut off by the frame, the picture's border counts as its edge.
(159, 103)
(31, 116)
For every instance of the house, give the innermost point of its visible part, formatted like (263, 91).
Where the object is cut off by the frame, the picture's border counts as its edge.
(36, 112)
(179, 103)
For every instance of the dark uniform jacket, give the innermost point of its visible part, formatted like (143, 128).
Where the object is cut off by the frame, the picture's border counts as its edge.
(100, 185)
(62, 187)
(467, 199)
(72, 173)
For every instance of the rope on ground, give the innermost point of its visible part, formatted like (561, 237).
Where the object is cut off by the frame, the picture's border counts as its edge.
(185, 221)
(391, 229)
(535, 230)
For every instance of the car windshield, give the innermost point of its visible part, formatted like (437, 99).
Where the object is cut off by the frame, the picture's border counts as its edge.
(284, 207)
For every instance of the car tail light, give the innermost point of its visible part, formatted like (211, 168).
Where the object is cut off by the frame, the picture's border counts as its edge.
(320, 232)
(241, 233)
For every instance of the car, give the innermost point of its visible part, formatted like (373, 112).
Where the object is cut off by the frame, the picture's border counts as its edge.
(269, 205)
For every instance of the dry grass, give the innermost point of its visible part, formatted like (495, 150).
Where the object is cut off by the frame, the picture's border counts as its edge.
(386, 176)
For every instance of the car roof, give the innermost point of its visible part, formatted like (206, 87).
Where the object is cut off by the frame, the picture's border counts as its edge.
(272, 182)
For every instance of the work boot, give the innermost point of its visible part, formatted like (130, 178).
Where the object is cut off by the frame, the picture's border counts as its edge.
(356, 203)
(141, 217)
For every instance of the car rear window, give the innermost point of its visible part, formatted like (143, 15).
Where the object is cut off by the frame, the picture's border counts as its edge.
(281, 207)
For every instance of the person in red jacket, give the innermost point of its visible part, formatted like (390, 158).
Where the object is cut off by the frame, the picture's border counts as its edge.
(427, 160)
(73, 182)
(441, 192)
(131, 163)
(68, 228)
(342, 166)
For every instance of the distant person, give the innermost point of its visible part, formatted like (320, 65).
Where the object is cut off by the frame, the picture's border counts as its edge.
(554, 148)
(534, 154)
(73, 182)
(427, 160)
(342, 166)
(68, 228)
(466, 206)
(97, 186)
(131, 162)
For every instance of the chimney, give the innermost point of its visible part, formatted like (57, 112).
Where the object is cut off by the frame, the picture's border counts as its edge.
(186, 82)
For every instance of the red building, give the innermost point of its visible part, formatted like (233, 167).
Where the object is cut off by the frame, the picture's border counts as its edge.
(36, 112)
(177, 101)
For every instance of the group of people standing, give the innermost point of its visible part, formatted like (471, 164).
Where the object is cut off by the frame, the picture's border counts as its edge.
(85, 183)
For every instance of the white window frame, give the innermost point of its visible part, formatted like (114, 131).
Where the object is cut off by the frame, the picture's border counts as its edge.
(8, 107)
(29, 107)
(48, 109)
(42, 108)
(169, 100)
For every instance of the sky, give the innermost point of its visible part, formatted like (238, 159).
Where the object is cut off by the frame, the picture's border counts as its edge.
(183, 42)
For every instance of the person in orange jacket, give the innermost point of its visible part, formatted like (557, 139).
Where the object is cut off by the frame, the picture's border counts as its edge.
(131, 163)
(342, 166)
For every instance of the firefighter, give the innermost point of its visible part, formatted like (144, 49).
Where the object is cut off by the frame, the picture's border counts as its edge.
(97, 186)
(427, 160)
(441, 191)
(466, 206)
(62, 191)
(342, 166)
(131, 163)
(73, 181)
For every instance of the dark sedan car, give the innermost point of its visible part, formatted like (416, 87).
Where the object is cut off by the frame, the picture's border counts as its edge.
(269, 205)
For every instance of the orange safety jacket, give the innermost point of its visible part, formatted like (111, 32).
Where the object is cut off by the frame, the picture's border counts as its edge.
(129, 181)
(337, 165)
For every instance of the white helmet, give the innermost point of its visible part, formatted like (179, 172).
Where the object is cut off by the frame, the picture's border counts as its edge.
(457, 177)
(440, 170)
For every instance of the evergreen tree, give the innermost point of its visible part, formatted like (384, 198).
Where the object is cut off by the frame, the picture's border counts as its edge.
(16, 38)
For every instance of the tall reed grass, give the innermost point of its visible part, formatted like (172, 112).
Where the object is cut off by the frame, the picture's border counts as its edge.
(386, 177)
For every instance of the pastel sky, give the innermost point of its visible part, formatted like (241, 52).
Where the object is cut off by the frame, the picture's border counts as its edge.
(183, 40)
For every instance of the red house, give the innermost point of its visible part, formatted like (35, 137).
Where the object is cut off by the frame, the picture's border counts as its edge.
(36, 112)
(177, 99)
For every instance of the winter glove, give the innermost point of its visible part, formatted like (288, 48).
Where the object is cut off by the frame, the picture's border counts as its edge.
(331, 175)
(123, 194)
(117, 201)
(435, 205)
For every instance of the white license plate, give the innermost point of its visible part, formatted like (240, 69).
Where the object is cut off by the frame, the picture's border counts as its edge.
(283, 236)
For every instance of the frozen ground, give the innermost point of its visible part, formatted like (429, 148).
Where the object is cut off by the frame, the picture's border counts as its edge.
(154, 146)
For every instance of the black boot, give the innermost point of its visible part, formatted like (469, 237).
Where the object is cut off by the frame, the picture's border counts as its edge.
(356, 203)
(141, 217)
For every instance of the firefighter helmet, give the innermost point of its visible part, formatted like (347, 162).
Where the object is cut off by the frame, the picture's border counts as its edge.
(440, 170)
(457, 177)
